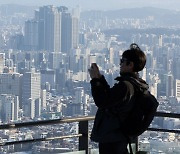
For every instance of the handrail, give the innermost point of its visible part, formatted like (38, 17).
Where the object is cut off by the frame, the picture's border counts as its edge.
(83, 129)
(70, 120)
(169, 115)
(39, 139)
(46, 122)
(164, 130)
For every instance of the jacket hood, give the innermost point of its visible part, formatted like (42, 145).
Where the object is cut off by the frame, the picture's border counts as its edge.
(134, 78)
(140, 84)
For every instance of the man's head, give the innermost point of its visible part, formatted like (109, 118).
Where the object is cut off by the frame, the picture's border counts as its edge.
(133, 59)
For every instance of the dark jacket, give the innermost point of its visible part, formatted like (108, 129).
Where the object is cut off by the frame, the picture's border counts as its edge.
(113, 107)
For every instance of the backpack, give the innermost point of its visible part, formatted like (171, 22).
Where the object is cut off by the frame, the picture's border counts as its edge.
(142, 113)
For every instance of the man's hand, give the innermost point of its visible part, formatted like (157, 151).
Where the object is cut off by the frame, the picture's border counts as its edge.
(94, 71)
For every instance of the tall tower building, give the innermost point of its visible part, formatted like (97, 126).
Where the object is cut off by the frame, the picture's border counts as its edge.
(79, 93)
(76, 108)
(10, 107)
(149, 60)
(153, 84)
(52, 30)
(66, 35)
(43, 99)
(48, 76)
(31, 35)
(31, 91)
(176, 68)
(177, 90)
(49, 20)
(160, 40)
(58, 30)
(69, 30)
(169, 85)
(75, 31)
(111, 55)
(11, 84)
(54, 60)
(2, 62)
(85, 99)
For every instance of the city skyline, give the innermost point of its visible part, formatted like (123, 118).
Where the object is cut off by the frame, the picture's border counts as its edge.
(40, 79)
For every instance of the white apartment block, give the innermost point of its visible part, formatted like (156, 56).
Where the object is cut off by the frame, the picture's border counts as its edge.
(43, 99)
(2, 62)
(31, 86)
(9, 107)
(31, 91)
(177, 90)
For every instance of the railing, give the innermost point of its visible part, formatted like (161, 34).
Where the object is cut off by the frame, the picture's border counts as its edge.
(83, 129)
(169, 115)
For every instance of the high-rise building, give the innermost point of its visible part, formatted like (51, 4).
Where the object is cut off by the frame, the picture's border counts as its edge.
(11, 84)
(176, 68)
(149, 60)
(2, 61)
(153, 84)
(38, 107)
(48, 76)
(75, 32)
(31, 35)
(54, 60)
(49, 19)
(85, 99)
(53, 28)
(111, 55)
(66, 35)
(169, 85)
(79, 93)
(31, 86)
(29, 108)
(61, 78)
(177, 90)
(58, 30)
(31, 91)
(160, 40)
(16, 42)
(43, 99)
(9, 107)
(76, 107)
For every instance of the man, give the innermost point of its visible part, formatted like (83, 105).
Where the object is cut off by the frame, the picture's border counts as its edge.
(114, 103)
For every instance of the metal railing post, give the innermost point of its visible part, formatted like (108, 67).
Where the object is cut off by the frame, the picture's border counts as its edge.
(84, 139)
(135, 142)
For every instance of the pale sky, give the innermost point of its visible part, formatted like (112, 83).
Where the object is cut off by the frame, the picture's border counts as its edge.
(100, 4)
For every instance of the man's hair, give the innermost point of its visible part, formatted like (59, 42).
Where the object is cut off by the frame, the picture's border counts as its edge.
(135, 55)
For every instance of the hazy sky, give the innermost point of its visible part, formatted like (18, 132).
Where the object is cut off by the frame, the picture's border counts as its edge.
(100, 4)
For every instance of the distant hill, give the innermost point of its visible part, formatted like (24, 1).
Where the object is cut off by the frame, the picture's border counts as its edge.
(162, 16)
(137, 12)
(10, 9)
(129, 13)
